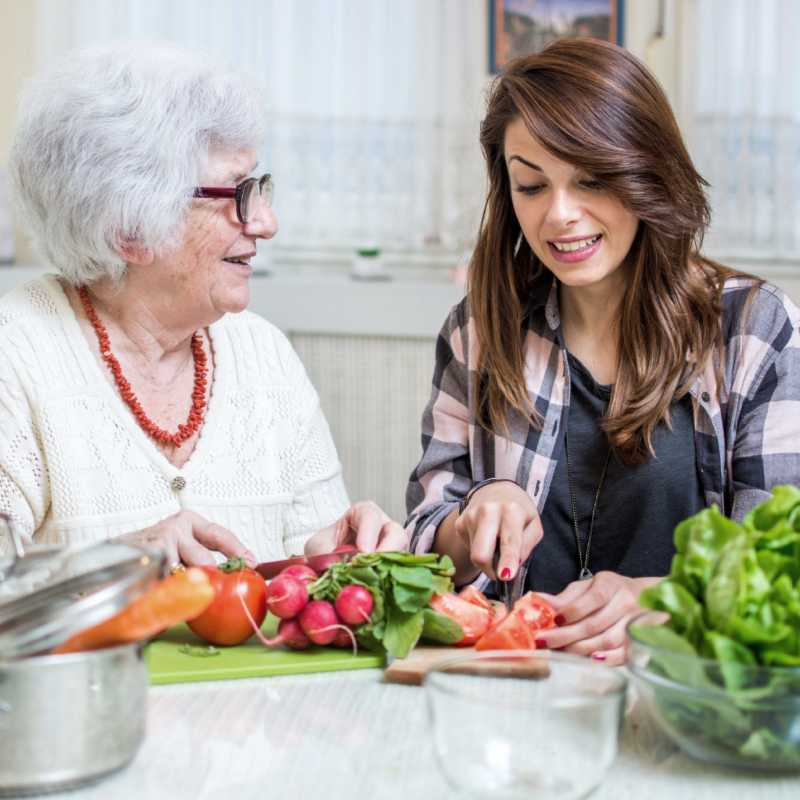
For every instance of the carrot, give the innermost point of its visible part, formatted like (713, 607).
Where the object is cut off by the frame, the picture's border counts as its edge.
(178, 598)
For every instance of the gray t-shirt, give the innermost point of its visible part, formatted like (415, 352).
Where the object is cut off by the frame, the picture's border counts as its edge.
(639, 505)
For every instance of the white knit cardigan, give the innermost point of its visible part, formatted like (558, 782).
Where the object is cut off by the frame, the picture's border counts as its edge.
(76, 466)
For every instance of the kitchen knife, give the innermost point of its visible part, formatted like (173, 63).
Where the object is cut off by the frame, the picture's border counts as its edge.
(269, 569)
(503, 589)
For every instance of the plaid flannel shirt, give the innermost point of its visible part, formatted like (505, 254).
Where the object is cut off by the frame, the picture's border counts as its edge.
(745, 444)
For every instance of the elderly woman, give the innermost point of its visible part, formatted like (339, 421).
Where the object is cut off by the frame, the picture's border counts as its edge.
(138, 397)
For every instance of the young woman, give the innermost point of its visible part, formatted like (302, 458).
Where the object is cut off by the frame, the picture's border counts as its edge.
(603, 380)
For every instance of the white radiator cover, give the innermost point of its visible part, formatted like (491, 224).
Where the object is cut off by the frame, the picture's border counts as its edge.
(373, 390)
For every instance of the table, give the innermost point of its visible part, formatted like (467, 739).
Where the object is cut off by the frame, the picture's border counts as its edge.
(349, 735)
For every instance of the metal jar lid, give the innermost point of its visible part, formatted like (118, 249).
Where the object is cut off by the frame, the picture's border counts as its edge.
(48, 595)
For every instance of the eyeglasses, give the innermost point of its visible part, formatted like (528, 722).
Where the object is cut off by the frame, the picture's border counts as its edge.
(245, 193)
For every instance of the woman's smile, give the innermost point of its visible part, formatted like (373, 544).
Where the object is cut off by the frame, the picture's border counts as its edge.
(571, 249)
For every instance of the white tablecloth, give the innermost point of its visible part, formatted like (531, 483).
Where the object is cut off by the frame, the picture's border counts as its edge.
(348, 735)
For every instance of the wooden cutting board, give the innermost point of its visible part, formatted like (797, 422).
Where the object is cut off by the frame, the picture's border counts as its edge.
(168, 664)
(411, 669)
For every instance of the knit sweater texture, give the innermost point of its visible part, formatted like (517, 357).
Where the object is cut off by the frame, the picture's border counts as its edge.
(76, 466)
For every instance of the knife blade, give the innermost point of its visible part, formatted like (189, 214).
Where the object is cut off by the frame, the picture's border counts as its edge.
(319, 563)
(503, 589)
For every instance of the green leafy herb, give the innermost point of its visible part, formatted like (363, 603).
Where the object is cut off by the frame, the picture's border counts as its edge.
(440, 628)
(199, 651)
(733, 595)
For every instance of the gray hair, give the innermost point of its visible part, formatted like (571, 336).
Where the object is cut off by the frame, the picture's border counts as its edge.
(110, 141)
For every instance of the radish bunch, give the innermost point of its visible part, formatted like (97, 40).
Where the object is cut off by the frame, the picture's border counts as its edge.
(305, 621)
(382, 600)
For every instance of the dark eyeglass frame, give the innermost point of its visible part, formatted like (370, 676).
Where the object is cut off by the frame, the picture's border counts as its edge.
(243, 194)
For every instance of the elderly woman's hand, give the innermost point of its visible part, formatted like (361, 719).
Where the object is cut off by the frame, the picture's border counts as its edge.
(188, 538)
(366, 526)
(595, 614)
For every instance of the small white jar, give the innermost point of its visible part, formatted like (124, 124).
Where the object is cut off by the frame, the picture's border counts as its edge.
(368, 264)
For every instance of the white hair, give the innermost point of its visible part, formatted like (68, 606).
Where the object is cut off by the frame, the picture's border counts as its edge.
(110, 141)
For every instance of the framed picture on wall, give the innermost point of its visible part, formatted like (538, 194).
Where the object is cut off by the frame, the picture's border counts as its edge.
(526, 26)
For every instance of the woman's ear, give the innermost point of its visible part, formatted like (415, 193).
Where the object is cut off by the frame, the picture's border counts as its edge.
(135, 252)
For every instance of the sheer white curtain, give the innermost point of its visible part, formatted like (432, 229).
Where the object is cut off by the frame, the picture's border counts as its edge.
(373, 138)
(747, 124)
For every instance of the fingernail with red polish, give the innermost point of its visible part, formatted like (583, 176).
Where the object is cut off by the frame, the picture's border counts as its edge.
(559, 620)
(505, 574)
(541, 644)
(598, 657)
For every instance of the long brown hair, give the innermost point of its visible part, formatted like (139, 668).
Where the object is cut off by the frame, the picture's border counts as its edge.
(596, 107)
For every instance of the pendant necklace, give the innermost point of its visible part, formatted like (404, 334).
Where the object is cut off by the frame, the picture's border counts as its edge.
(583, 560)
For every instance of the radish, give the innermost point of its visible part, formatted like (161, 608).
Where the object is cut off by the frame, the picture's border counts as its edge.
(319, 621)
(291, 634)
(354, 605)
(345, 638)
(287, 596)
(301, 571)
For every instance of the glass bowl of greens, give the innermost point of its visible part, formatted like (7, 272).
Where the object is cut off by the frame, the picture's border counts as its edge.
(720, 665)
(723, 711)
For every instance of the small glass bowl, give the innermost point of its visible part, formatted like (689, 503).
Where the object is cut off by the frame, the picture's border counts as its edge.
(525, 724)
(728, 713)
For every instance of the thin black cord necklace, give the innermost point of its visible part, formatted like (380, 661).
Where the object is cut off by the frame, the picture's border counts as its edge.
(583, 561)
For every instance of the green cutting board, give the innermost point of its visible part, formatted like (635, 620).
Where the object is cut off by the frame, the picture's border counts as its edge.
(167, 664)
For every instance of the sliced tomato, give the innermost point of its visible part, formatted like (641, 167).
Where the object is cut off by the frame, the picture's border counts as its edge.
(500, 614)
(473, 619)
(511, 633)
(536, 611)
(472, 595)
(519, 629)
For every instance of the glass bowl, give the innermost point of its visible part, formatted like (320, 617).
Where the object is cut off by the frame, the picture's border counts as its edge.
(522, 724)
(729, 713)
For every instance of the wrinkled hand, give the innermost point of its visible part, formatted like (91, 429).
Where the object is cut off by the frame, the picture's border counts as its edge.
(499, 510)
(188, 538)
(366, 526)
(596, 613)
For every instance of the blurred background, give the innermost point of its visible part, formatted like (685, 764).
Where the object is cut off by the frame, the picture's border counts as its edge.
(376, 106)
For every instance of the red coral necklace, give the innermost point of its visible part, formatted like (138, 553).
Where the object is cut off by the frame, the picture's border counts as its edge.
(199, 394)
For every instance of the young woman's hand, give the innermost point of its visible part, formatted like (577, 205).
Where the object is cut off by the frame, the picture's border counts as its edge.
(503, 511)
(366, 526)
(595, 614)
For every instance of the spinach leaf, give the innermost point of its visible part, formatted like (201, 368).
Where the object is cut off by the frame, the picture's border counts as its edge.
(402, 630)
(412, 576)
(411, 598)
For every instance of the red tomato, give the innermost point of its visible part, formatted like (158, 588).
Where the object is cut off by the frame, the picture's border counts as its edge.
(511, 633)
(473, 619)
(536, 611)
(225, 622)
(500, 614)
(519, 629)
(472, 595)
